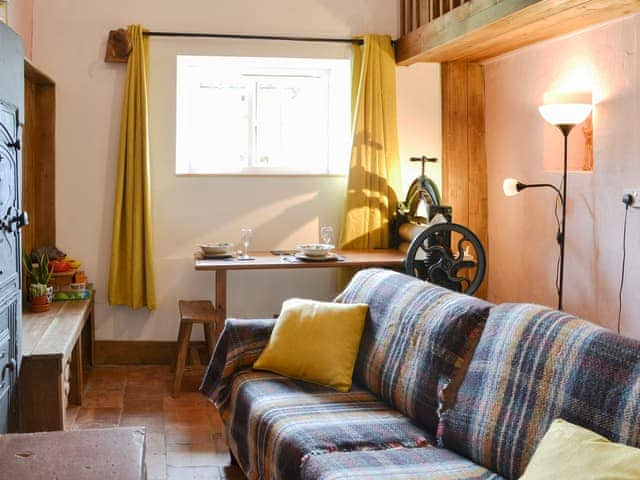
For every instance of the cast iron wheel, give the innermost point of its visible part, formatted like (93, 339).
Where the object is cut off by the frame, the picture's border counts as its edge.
(431, 258)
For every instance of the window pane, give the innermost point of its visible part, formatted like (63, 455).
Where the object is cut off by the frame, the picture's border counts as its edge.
(261, 115)
(292, 123)
(214, 128)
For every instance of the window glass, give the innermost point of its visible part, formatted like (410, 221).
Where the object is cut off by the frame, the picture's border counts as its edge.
(262, 115)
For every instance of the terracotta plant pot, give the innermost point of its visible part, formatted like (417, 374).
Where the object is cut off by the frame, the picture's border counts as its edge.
(40, 304)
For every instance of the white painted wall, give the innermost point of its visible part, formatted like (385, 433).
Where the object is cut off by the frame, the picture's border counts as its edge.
(69, 44)
(419, 114)
(606, 60)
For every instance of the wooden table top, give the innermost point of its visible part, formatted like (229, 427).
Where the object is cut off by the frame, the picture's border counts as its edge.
(106, 454)
(54, 333)
(268, 261)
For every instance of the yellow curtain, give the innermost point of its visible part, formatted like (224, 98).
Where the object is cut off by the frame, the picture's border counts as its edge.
(131, 277)
(374, 174)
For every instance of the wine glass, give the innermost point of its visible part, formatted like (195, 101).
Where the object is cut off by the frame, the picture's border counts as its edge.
(245, 239)
(326, 235)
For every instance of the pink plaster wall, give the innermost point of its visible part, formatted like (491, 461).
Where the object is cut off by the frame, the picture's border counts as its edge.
(523, 251)
(21, 20)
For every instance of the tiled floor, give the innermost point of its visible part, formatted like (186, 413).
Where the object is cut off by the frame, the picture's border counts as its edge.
(185, 437)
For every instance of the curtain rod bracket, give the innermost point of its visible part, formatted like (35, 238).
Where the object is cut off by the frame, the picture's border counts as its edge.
(118, 46)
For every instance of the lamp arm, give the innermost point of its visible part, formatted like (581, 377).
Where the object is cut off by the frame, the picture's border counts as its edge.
(522, 186)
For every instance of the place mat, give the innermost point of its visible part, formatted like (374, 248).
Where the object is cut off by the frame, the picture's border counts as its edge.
(202, 256)
(295, 259)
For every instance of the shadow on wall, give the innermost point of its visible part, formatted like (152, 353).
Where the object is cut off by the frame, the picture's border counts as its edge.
(371, 203)
(278, 209)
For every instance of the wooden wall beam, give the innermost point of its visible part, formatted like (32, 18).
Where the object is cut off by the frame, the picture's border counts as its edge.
(464, 164)
(38, 159)
(482, 29)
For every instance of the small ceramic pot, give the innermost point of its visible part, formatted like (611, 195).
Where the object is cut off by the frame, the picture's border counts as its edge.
(40, 304)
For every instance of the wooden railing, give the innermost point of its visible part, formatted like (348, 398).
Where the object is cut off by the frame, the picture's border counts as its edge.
(416, 13)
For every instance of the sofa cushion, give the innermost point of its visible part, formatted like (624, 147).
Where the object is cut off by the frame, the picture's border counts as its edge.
(533, 365)
(428, 463)
(570, 451)
(276, 424)
(416, 335)
(336, 330)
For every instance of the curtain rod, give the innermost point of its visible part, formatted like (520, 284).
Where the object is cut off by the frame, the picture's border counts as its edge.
(356, 41)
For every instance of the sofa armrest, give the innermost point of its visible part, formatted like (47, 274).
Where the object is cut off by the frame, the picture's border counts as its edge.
(239, 346)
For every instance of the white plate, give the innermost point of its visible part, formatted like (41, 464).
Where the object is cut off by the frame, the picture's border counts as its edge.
(325, 258)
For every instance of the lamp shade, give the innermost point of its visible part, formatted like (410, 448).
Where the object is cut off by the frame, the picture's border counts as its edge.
(510, 187)
(562, 108)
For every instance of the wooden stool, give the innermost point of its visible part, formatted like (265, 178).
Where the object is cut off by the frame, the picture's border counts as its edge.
(194, 311)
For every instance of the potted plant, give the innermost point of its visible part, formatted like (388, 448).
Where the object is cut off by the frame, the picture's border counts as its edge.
(39, 290)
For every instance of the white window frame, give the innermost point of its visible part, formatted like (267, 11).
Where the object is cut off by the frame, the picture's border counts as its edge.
(338, 75)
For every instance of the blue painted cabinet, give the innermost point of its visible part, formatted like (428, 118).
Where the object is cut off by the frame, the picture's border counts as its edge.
(11, 106)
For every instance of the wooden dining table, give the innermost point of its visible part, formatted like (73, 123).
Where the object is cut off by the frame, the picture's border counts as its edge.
(393, 259)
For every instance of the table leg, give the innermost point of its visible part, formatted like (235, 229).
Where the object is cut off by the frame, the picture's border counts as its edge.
(88, 337)
(221, 302)
(77, 376)
(184, 335)
(92, 334)
(209, 336)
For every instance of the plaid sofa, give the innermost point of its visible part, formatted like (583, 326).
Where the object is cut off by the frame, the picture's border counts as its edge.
(533, 365)
(435, 369)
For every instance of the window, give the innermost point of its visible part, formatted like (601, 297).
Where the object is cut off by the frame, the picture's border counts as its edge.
(251, 115)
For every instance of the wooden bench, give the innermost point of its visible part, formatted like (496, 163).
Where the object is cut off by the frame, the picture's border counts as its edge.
(58, 349)
(193, 311)
(106, 454)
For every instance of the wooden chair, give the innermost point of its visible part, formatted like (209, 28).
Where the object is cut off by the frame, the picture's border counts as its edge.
(193, 311)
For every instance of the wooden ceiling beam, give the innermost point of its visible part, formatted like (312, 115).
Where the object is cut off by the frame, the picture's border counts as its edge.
(483, 29)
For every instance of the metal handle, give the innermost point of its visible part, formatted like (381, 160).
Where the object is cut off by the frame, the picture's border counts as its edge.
(11, 366)
(15, 144)
(21, 220)
(16, 222)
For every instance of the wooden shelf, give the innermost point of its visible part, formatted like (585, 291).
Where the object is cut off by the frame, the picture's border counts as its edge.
(52, 340)
(55, 332)
(482, 29)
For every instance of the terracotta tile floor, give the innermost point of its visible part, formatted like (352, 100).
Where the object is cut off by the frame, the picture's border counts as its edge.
(185, 438)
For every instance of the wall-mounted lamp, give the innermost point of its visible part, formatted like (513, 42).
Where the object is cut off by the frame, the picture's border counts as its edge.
(512, 187)
(565, 111)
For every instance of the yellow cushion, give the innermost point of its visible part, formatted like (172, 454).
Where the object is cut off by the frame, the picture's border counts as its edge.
(316, 342)
(569, 451)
